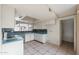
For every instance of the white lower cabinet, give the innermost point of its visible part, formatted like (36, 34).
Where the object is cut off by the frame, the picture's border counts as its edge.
(13, 48)
(0, 50)
(41, 37)
(44, 37)
(32, 36)
(29, 37)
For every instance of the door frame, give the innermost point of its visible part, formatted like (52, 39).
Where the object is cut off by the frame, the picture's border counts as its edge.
(75, 30)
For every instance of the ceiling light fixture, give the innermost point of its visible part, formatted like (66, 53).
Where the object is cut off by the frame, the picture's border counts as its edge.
(20, 16)
(50, 10)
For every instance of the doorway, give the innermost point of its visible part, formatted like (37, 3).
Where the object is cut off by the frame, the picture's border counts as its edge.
(68, 32)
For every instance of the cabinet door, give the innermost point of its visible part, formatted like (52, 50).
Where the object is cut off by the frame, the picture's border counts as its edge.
(0, 16)
(7, 17)
(0, 40)
(0, 27)
(0, 49)
(35, 37)
(27, 37)
(32, 36)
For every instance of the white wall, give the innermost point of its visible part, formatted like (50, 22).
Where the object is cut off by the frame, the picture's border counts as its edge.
(53, 34)
(53, 30)
(68, 30)
(43, 24)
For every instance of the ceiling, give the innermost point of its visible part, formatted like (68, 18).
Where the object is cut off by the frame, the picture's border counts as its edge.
(60, 9)
(41, 11)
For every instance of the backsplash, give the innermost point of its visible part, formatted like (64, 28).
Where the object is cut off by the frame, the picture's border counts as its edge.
(8, 30)
(40, 31)
(11, 32)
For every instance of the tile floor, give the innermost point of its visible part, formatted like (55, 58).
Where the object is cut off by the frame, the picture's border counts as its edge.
(37, 48)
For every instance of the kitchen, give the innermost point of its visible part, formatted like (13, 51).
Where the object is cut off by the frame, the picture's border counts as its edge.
(31, 29)
(15, 32)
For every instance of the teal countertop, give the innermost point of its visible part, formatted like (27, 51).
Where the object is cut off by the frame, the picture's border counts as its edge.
(14, 39)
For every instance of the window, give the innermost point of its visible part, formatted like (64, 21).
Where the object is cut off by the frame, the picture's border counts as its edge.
(30, 27)
(23, 27)
(17, 28)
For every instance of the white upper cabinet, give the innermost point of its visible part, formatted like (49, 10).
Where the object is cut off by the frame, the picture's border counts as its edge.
(0, 26)
(8, 14)
(0, 16)
(0, 29)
